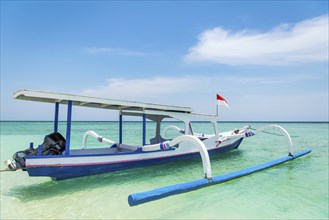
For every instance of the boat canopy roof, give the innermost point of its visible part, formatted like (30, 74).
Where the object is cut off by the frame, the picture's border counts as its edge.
(94, 102)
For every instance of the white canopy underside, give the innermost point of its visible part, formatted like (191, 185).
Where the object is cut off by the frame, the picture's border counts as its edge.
(94, 102)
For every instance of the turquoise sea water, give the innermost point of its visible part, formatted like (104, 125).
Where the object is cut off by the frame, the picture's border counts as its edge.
(294, 190)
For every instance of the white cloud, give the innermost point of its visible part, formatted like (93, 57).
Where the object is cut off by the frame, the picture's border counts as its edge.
(147, 88)
(250, 97)
(120, 51)
(160, 86)
(303, 42)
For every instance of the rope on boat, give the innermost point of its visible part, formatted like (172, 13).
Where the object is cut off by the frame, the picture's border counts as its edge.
(5, 170)
(282, 131)
(266, 132)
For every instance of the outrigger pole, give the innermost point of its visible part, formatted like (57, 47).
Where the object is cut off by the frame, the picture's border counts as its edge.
(147, 196)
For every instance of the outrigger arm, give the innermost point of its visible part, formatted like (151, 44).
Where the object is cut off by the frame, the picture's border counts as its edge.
(262, 129)
(202, 149)
(95, 135)
(282, 131)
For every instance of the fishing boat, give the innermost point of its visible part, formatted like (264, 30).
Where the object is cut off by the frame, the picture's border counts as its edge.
(56, 158)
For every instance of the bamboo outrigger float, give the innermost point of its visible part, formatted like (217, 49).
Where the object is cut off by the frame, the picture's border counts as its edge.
(55, 158)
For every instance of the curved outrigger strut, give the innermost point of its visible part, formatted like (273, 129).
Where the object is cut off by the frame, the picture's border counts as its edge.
(282, 131)
(202, 149)
(95, 135)
(262, 129)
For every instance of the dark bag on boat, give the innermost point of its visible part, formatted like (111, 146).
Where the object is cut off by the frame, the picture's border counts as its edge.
(53, 144)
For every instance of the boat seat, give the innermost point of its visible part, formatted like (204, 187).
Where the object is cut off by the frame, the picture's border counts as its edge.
(157, 140)
(127, 147)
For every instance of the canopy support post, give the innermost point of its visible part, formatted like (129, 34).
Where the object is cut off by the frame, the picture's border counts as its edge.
(120, 127)
(68, 127)
(144, 129)
(56, 117)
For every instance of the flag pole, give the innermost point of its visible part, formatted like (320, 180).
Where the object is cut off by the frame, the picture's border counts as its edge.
(220, 101)
(216, 109)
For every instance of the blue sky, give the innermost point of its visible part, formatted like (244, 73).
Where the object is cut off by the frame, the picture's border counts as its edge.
(269, 59)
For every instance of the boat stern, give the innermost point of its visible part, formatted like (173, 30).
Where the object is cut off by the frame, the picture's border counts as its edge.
(10, 165)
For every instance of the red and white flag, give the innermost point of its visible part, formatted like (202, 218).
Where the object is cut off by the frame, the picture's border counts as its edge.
(222, 101)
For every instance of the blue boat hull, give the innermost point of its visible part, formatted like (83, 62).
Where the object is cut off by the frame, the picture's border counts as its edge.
(66, 172)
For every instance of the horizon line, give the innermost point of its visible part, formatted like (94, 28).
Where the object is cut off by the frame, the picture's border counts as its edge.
(226, 121)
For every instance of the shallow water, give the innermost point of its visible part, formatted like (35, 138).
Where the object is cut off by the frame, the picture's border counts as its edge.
(294, 190)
